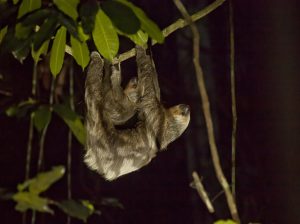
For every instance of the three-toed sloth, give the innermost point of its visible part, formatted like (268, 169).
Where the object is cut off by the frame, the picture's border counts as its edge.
(113, 152)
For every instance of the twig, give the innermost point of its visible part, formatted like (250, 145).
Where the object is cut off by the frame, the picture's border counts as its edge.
(5, 93)
(233, 100)
(30, 134)
(207, 115)
(217, 195)
(202, 193)
(69, 156)
(44, 132)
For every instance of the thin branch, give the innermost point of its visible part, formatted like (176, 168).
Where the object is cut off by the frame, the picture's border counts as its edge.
(5, 93)
(207, 115)
(217, 195)
(70, 136)
(202, 193)
(31, 133)
(233, 100)
(44, 132)
(29, 148)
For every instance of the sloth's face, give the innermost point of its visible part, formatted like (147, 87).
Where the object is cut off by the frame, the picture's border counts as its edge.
(181, 117)
(131, 90)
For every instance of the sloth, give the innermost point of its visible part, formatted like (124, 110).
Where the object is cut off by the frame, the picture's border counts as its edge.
(112, 152)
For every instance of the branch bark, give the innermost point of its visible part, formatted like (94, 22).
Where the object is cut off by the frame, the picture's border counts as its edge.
(207, 115)
(233, 99)
(202, 193)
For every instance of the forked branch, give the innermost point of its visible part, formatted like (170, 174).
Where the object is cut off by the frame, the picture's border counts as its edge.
(207, 115)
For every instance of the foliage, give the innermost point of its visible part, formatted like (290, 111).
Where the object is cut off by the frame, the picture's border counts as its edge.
(31, 24)
(42, 116)
(28, 196)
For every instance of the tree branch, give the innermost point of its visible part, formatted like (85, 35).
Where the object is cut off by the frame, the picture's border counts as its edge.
(202, 193)
(207, 115)
(233, 99)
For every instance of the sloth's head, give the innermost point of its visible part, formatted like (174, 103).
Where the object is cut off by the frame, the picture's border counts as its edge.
(181, 117)
(131, 90)
(178, 118)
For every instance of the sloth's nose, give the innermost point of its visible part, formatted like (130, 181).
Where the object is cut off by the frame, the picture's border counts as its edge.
(185, 109)
(134, 82)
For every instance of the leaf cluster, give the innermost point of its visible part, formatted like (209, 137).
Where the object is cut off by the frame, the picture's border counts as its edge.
(28, 196)
(42, 115)
(37, 27)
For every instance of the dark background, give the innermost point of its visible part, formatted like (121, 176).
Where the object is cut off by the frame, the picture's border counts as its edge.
(268, 137)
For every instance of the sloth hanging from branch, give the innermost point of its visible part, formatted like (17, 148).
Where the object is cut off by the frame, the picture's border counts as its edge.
(113, 152)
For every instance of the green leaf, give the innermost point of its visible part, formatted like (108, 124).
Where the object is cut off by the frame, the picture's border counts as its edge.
(75, 209)
(105, 36)
(87, 12)
(21, 31)
(80, 52)
(37, 17)
(72, 120)
(228, 221)
(140, 38)
(89, 205)
(11, 111)
(146, 24)
(8, 41)
(27, 200)
(122, 16)
(3, 33)
(22, 49)
(41, 51)
(21, 109)
(58, 51)
(69, 7)
(82, 35)
(41, 117)
(15, 2)
(69, 23)
(45, 32)
(43, 180)
(28, 6)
